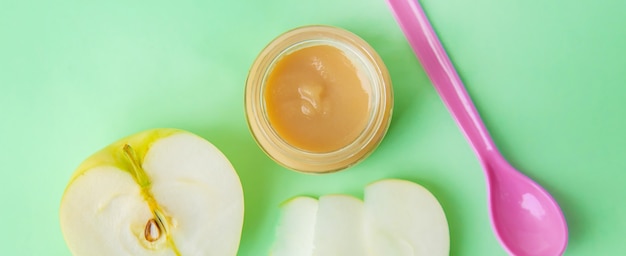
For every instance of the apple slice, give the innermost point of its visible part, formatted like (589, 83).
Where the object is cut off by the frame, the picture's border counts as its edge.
(405, 219)
(339, 229)
(159, 192)
(296, 228)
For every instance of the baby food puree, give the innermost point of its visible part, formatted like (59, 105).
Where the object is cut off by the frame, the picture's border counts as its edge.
(318, 99)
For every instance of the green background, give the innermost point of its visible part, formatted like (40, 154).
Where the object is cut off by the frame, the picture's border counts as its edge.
(548, 78)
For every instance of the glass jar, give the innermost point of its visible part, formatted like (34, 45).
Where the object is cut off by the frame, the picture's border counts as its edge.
(379, 107)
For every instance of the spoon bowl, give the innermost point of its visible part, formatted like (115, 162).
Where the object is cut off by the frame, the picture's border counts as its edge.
(524, 216)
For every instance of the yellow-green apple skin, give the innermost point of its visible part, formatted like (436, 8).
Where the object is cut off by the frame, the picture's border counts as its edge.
(158, 192)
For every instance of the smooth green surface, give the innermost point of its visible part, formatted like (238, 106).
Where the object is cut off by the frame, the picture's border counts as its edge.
(548, 78)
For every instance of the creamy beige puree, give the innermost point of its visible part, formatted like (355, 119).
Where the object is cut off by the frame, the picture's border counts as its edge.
(316, 100)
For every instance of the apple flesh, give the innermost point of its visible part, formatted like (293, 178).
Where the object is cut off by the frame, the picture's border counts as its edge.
(159, 192)
(397, 218)
(296, 228)
(339, 229)
(405, 219)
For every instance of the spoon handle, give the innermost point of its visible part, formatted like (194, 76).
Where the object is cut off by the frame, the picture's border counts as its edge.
(441, 72)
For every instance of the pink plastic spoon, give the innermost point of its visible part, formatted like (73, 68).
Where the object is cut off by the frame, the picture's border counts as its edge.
(524, 217)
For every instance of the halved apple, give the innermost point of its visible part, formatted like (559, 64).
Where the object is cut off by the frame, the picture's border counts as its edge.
(159, 192)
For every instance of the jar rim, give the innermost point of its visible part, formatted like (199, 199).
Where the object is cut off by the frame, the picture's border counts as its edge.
(380, 97)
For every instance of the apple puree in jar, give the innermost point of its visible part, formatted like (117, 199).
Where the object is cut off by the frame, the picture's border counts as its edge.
(317, 99)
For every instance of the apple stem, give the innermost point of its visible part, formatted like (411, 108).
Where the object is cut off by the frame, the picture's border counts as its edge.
(138, 172)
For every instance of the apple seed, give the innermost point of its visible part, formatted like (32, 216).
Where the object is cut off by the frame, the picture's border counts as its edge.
(152, 231)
